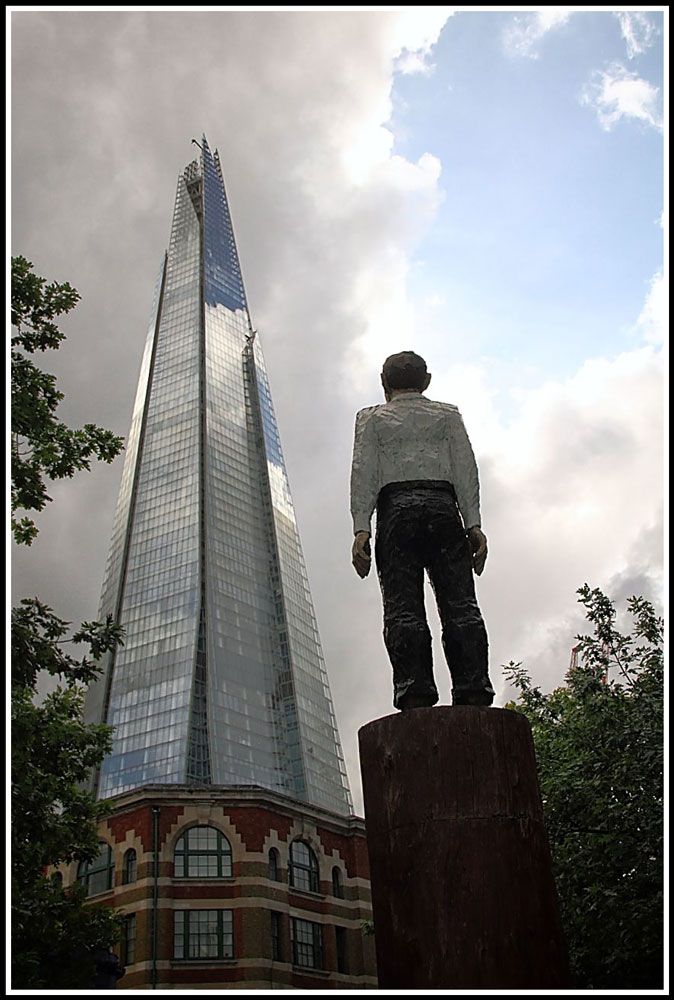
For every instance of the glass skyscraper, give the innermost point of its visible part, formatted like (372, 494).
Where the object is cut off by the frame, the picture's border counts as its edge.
(221, 679)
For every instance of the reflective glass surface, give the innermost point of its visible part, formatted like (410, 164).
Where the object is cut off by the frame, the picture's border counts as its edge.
(151, 684)
(221, 679)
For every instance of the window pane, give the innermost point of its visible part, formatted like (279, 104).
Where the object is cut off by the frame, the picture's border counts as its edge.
(340, 934)
(129, 948)
(130, 866)
(179, 934)
(98, 874)
(202, 852)
(303, 867)
(276, 952)
(199, 934)
(307, 940)
(302, 880)
(227, 933)
(300, 853)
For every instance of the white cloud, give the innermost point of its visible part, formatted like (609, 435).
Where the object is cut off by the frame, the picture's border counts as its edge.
(413, 36)
(639, 33)
(652, 322)
(572, 492)
(435, 300)
(571, 487)
(408, 44)
(617, 93)
(522, 37)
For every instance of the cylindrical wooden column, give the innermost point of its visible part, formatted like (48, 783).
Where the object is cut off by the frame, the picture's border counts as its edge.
(462, 890)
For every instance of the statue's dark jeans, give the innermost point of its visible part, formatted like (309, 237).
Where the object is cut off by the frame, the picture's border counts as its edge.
(419, 528)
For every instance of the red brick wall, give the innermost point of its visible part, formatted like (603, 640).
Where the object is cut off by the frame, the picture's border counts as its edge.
(141, 821)
(254, 825)
(353, 851)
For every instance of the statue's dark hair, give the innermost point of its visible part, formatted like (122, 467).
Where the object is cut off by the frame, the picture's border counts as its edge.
(405, 371)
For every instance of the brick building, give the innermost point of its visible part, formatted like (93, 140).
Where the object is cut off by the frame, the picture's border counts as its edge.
(250, 889)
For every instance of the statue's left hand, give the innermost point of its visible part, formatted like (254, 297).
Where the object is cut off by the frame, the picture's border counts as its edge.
(361, 556)
(478, 544)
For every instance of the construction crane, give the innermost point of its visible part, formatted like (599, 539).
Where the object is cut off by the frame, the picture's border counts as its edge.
(605, 652)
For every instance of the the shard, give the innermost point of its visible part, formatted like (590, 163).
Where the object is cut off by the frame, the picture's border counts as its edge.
(221, 678)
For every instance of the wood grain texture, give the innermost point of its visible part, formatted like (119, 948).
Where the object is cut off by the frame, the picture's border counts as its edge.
(462, 887)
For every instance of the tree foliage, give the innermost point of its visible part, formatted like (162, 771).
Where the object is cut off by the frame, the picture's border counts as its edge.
(54, 935)
(599, 748)
(54, 820)
(42, 446)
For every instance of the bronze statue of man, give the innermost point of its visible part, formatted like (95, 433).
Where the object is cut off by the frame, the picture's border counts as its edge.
(413, 461)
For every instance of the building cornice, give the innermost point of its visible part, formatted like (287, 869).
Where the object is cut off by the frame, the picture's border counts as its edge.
(235, 795)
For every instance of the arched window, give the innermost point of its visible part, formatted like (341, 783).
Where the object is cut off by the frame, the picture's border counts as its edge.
(303, 867)
(97, 875)
(129, 867)
(337, 889)
(274, 865)
(202, 852)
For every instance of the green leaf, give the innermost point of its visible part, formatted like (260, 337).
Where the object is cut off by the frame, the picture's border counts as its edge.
(599, 749)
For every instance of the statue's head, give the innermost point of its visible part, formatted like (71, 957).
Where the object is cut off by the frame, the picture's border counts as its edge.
(404, 371)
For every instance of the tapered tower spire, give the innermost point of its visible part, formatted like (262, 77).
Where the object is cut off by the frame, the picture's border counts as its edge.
(221, 679)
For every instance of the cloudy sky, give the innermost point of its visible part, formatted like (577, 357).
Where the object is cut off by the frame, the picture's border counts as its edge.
(484, 187)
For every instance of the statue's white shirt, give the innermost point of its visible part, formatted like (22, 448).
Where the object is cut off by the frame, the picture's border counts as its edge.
(411, 437)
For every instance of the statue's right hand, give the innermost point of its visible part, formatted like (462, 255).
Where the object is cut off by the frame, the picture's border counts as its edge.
(360, 554)
(478, 544)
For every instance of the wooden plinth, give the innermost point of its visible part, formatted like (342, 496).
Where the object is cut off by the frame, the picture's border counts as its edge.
(462, 890)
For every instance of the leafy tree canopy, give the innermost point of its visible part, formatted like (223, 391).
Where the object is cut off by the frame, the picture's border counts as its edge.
(42, 446)
(599, 748)
(54, 820)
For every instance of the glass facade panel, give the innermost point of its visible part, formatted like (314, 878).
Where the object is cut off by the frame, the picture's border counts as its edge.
(221, 679)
